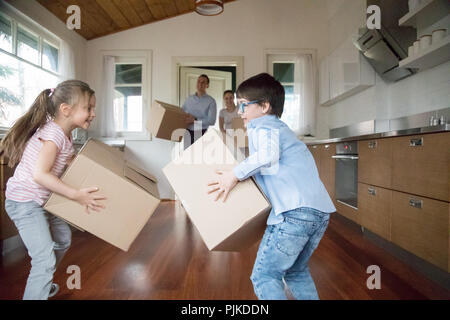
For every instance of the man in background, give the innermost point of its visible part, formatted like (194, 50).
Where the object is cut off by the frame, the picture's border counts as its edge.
(202, 110)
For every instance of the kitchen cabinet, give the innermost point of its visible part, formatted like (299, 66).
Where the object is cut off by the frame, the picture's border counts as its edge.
(421, 165)
(316, 154)
(374, 206)
(325, 165)
(7, 227)
(327, 168)
(421, 226)
(343, 73)
(375, 162)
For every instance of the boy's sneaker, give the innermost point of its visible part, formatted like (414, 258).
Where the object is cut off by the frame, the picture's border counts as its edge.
(53, 290)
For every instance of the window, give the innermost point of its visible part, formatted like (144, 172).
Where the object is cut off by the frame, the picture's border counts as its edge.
(5, 34)
(27, 45)
(295, 73)
(20, 84)
(28, 64)
(128, 114)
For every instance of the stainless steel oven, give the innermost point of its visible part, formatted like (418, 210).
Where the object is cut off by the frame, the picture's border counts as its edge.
(347, 173)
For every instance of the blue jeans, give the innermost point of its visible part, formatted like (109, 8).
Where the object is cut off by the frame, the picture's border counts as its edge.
(284, 253)
(46, 238)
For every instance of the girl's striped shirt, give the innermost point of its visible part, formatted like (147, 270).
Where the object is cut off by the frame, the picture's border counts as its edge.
(21, 187)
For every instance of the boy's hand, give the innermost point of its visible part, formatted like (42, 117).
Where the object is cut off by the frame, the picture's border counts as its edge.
(88, 199)
(189, 119)
(223, 183)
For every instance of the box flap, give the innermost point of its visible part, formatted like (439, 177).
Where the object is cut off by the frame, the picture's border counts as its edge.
(106, 156)
(140, 171)
(142, 181)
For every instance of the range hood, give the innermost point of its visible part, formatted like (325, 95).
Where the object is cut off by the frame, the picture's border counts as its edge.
(385, 47)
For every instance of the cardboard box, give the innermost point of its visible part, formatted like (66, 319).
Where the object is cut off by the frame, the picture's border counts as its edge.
(164, 119)
(128, 206)
(240, 132)
(232, 225)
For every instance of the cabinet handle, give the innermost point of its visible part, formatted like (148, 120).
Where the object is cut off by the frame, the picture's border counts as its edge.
(416, 203)
(372, 191)
(416, 142)
(372, 144)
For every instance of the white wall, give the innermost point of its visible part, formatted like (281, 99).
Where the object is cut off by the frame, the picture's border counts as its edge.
(425, 91)
(246, 28)
(43, 17)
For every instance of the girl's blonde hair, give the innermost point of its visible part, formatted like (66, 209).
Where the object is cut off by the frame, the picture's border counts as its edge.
(43, 109)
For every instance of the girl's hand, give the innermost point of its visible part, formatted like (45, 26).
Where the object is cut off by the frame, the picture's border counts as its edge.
(223, 183)
(88, 199)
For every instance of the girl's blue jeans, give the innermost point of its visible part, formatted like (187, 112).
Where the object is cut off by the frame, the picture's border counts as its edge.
(284, 253)
(46, 238)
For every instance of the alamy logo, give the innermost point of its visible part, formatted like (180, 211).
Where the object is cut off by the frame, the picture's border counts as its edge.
(374, 281)
(374, 20)
(74, 280)
(73, 21)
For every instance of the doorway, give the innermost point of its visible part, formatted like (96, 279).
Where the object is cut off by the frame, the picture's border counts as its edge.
(220, 79)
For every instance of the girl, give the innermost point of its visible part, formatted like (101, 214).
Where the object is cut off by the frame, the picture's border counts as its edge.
(40, 142)
(230, 112)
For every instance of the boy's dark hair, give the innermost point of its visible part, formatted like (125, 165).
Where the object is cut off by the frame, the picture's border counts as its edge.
(228, 91)
(265, 88)
(205, 76)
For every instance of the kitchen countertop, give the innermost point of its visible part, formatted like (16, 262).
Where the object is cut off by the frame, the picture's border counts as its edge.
(394, 133)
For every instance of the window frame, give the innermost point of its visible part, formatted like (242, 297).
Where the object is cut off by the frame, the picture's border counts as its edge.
(143, 57)
(36, 30)
(288, 55)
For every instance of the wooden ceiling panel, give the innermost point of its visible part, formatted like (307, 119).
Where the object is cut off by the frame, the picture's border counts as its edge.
(103, 17)
(156, 9)
(128, 12)
(115, 14)
(170, 8)
(182, 6)
(142, 10)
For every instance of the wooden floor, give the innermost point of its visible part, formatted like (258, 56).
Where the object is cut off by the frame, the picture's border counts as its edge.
(168, 260)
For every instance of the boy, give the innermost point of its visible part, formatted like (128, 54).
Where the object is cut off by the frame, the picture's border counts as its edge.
(286, 172)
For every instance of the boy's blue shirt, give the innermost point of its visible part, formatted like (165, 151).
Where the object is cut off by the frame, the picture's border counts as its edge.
(283, 167)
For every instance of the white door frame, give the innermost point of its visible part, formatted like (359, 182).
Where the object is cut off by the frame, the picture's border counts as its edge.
(177, 62)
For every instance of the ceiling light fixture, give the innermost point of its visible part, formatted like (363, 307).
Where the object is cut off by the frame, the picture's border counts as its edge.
(209, 7)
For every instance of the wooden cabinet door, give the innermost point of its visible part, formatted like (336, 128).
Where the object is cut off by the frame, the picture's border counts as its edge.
(374, 206)
(7, 227)
(421, 226)
(375, 162)
(315, 151)
(421, 165)
(327, 168)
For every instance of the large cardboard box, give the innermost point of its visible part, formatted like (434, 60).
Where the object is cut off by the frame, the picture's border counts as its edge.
(232, 225)
(164, 119)
(128, 206)
(240, 132)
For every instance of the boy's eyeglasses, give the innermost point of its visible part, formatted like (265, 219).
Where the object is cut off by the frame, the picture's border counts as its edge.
(242, 105)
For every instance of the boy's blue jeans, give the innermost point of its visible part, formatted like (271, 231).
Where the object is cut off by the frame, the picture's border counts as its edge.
(284, 253)
(46, 238)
